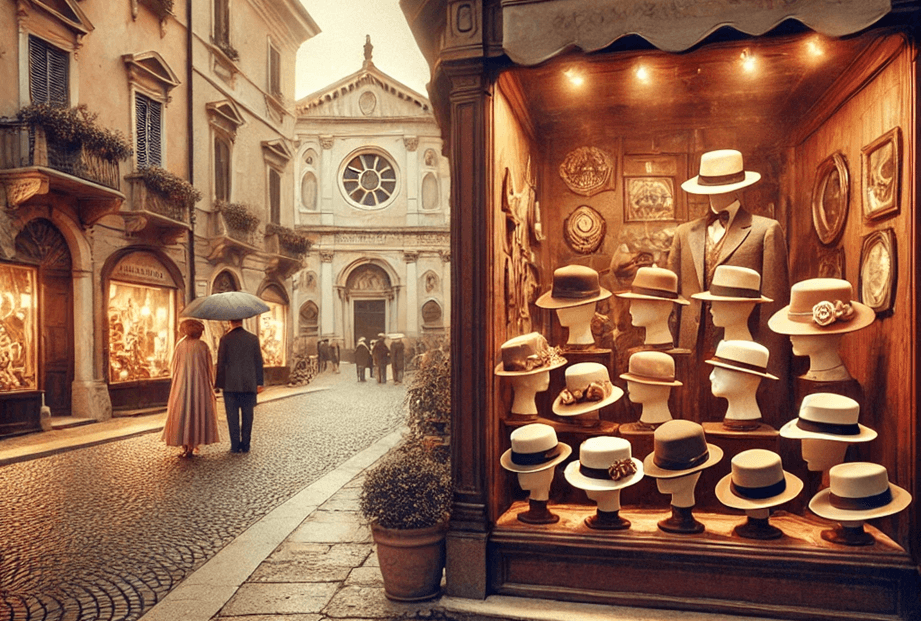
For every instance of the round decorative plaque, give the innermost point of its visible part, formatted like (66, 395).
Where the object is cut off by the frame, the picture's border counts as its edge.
(587, 171)
(584, 230)
(830, 199)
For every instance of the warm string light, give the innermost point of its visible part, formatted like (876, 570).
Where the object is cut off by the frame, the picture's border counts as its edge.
(814, 48)
(574, 76)
(642, 73)
(748, 60)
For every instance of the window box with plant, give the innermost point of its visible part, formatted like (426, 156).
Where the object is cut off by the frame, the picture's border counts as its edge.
(166, 194)
(240, 220)
(290, 242)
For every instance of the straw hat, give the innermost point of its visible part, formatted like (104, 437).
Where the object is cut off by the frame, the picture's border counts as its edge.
(821, 306)
(680, 447)
(654, 283)
(528, 354)
(733, 284)
(720, 172)
(590, 385)
(651, 367)
(573, 285)
(757, 481)
(827, 416)
(742, 356)
(858, 491)
(534, 448)
(605, 464)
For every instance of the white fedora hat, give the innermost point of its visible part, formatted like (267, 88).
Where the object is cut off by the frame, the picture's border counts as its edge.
(588, 388)
(757, 481)
(733, 284)
(742, 356)
(528, 354)
(534, 448)
(573, 285)
(858, 491)
(720, 172)
(828, 416)
(605, 464)
(680, 448)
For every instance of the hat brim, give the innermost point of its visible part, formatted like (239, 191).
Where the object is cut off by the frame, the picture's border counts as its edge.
(579, 480)
(791, 431)
(654, 471)
(822, 507)
(693, 186)
(508, 464)
(548, 301)
(500, 370)
(724, 494)
(719, 363)
(586, 406)
(640, 379)
(642, 296)
(706, 296)
(863, 316)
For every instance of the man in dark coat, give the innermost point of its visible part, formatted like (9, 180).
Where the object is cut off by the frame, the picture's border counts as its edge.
(323, 352)
(334, 354)
(381, 355)
(397, 360)
(362, 358)
(239, 375)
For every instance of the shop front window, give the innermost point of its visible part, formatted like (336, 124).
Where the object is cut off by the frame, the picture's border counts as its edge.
(17, 329)
(141, 331)
(272, 331)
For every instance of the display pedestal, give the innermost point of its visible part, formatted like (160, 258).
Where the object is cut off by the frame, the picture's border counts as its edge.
(607, 520)
(681, 522)
(538, 513)
(757, 528)
(848, 536)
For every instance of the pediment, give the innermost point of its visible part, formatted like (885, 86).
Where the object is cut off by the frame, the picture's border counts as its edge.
(68, 13)
(225, 114)
(277, 151)
(369, 93)
(151, 68)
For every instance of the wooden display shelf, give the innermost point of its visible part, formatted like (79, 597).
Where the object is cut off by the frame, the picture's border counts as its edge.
(799, 576)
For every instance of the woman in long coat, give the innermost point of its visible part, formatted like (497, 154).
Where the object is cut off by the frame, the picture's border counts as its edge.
(191, 413)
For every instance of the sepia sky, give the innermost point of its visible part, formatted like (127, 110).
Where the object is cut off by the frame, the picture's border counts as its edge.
(339, 48)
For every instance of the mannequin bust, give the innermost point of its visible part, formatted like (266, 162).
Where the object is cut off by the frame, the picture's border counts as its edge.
(733, 318)
(653, 316)
(739, 367)
(733, 295)
(537, 483)
(653, 296)
(527, 361)
(605, 466)
(650, 378)
(739, 390)
(525, 388)
(654, 402)
(821, 455)
(681, 489)
(578, 320)
(534, 454)
(825, 364)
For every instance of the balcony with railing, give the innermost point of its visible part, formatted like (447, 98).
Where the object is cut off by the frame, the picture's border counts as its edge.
(285, 249)
(154, 215)
(232, 232)
(32, 163)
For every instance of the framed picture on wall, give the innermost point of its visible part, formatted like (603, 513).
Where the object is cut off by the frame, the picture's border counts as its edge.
(830, 198)
(878, 270)
(881, 171)
(831, 263)
(648, 199)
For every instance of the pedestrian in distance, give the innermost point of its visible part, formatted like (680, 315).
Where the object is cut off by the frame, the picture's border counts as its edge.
(191, 412)
(334, 355)
(239, 375)
(362, 358)
(371, 361)
(381, 354)
(323, 351)
(397, 359)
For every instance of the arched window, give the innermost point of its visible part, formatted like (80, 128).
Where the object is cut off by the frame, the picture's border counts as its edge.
(309, 319)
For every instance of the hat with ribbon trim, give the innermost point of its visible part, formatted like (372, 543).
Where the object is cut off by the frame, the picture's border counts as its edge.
(573, 285)
(733, 284)
(859, 491)
(821, 306)
(654, 283)
(721, 171)
(605, 464)
(680, 447)
(528, 354)
(534, 448)
(588, 388)
(742, 356)
(651, 367)
(757, 481)
(828, 416)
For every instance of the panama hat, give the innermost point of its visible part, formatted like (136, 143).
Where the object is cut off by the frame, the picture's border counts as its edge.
(605, 464)
(757, 481)
(742, 356)
(828, 416)
(821, 306)
(733, 284)
(528, 354)
(651, 367)
(858, 491)
(534, 448)
(654, 283)
(588, 387)
(680, 447)
(721, 171)
(573, 285)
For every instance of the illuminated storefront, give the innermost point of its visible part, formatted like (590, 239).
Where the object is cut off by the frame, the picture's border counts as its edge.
(273, 334)
(18, 329)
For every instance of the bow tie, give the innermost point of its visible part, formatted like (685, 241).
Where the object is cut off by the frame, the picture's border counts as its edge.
(722, 216)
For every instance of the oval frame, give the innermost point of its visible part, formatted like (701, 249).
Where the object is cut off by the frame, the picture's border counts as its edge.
(829, 231)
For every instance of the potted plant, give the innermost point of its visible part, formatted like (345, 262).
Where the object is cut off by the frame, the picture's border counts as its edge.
(406, 498)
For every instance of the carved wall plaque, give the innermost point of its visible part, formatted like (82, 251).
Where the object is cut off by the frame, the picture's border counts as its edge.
(587, 171)
(584, 230)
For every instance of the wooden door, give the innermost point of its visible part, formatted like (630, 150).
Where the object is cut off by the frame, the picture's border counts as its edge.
(57, 339)
(370, 319)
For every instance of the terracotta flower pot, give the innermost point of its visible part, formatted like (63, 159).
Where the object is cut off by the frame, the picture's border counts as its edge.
(411, 561)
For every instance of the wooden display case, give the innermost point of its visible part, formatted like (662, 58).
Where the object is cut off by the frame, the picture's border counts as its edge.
(512, 113)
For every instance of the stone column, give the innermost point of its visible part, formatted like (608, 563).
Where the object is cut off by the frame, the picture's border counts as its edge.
(411, 318)
(412, 180)
(327, 300)
(89, 395)
(327, 180)
(446, 286)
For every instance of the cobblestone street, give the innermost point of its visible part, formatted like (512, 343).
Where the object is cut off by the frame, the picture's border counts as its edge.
(103, 533)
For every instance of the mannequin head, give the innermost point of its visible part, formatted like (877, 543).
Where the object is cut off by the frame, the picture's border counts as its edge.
(525, 388)
(733, 385)
(607, 500)
(537, 483)
(681, 489)
(738, 368)
(654, 399)
(653, 316)
(820, 455)
(578, 319)
(815, 344)
(733, 317)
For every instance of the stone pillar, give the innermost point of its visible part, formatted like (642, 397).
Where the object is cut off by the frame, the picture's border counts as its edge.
(327, 181)
(413, 181)
(446, 286)
(411, 318)
(89, 395)
(327, 299)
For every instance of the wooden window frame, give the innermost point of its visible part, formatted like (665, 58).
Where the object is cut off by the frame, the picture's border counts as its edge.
(142, 152)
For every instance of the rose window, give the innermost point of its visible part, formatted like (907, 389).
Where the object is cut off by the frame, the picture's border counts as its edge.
(369, 180)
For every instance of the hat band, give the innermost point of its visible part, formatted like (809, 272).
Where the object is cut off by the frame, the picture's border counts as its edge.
(651, 378)
(832, 428)
(824, 313)
(569, 293)
(861, 504)
(680, 464)
(734, 292)
(659, 293)
(533, 459)
(620, 469)
(742, 365)
(711, 180)
(758, 493)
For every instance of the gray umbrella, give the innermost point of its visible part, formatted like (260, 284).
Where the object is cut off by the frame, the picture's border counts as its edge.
(225, 306)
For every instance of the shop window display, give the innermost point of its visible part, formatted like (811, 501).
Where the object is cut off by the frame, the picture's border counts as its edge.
(17, 329)
(272, 331)
(141, 331)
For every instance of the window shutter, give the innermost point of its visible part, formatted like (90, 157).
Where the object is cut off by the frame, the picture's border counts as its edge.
(140, 109)
(221, 22)
(48, 73)
(221, 170)
(274, 71)
(149, 128)
(156, 127)
(275, 195)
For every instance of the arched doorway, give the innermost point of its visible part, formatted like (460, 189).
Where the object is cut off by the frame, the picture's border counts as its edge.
(368, 290)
